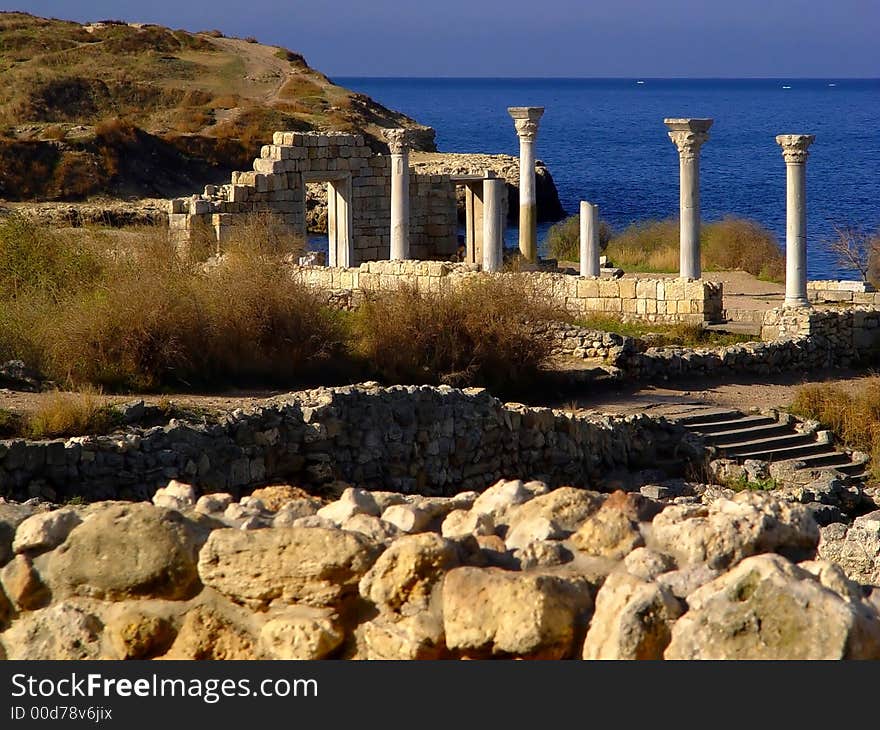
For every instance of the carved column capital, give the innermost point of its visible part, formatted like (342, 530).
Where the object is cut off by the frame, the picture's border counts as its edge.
(794, 147)
(688, 135)
(525, 119)
(398, 139)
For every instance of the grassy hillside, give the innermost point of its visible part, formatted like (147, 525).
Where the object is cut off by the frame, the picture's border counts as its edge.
(146, 110)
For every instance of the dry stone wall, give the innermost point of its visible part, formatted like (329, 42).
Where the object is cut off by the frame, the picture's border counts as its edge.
(414, 439)
(653, 300)
(277, 185)
(845, 292)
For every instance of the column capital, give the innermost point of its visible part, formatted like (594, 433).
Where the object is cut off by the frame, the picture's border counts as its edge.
(794, 147)
(688, 135)
(399, 140)
(525, 119)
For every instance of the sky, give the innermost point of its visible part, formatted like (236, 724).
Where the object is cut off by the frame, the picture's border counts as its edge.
(571, 38)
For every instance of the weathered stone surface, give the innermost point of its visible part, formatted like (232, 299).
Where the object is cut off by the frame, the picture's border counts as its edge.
(419, 636)
(66, 630)
(373, 528)
(22, 584)
(488, 611)
(314, 566)
(543, 554)
(727, 531)
(532, 530)
(567, 507)
(45, 531)
(612, 531)
(135, 634)
(856, 548)
(293, 510)
(127, 551)
(769, 608)
(459, 523)
(176, 495)
(647, 564)
(407, 518)
(211, 504)
(301, 632)
(352, 502)
(278, 496)
(500, 496)
(632, 620)
(681, 583)
(209, 634)
(404, 576)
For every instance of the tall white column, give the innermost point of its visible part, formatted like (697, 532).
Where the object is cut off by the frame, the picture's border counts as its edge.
(526, 118)
(794, 152)
(399, 147)
(493, 224)
(689, 135)
(589, 239)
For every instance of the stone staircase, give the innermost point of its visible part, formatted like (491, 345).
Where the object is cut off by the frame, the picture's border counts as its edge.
(772, 437)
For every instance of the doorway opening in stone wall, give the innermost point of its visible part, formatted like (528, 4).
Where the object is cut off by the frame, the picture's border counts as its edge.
(329, 216)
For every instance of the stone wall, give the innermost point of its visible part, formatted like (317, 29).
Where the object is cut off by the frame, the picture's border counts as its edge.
(277, 185)
(653, 300)
(848, 292)
(428, 440)
(849, 334)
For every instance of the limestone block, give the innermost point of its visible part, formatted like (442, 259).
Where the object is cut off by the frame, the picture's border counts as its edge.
(627, 288)
(646, 289)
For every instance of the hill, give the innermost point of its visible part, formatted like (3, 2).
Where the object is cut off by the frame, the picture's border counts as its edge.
(142, 110)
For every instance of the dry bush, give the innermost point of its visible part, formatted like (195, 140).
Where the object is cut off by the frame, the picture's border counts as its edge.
(480, 333)
(62, 415)
(563, 238)
(853, 417)
(857, 250)
(726, 245)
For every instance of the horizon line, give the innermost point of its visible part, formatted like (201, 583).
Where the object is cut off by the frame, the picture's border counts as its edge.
(611, 78)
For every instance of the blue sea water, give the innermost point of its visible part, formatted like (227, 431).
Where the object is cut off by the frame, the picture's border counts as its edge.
(604, 141)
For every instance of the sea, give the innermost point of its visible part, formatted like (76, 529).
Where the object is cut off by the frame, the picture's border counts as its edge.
(604, 141)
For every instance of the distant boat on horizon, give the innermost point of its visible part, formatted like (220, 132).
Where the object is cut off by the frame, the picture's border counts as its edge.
(786, 87)
(640, 82)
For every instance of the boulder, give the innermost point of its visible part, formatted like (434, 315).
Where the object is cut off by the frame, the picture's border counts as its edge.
(66, 630)
(612, 531)
(543, 554)
(212, 504)
(404, 576)
(310, 565)
(300, 632)
(207, 633)
(633, 619)
(489, 611)
(23, 585)
(500, 496)
(176, 495)
(856, 548)
(532, 530)
(459, 523)
(768, 608)
(647, 564)
(135, 634)
(45, 531)
(726, 531)
(352, 502)
(389, 637)
(407, 518)
(11, 516)
(127, 551)
(372, 528)
(293, 510)
(567, 507)
(278, 496)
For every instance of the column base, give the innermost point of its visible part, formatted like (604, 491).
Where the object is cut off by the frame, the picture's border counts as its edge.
(796, 302)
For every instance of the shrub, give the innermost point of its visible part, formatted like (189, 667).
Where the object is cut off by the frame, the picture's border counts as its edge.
(563, 238)
(729, 244)
(477, 334)
(61, 415)
(662, 335)
(853, 417)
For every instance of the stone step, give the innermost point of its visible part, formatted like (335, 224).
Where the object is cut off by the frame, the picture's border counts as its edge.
(730, 425)
(694, 419)
(786, 453)
(836, 459)
(771, 443)
(757, 431)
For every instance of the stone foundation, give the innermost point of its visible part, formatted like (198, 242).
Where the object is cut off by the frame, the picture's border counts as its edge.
(652, 300)
(847, 292)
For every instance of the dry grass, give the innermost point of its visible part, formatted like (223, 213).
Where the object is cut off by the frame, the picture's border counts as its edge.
(478, 334)
(60, 415)
(853, 417)
(563, 238)
(726, 245)
(662, 335)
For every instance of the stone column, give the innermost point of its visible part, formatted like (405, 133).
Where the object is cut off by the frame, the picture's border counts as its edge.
(689, 135)
(493, 224)
(525, 118)
(589, 248)
(399, 147)
(794, 152)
